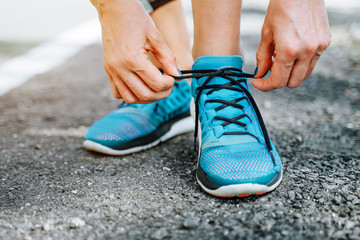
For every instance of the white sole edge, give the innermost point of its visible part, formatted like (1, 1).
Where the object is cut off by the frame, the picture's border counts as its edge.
(238, 189)
(182, 126)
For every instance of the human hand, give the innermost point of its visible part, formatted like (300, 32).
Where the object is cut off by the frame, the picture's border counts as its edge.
(294, 35)
(128, 34)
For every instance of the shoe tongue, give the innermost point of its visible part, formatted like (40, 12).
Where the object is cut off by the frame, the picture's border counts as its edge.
(217, 62)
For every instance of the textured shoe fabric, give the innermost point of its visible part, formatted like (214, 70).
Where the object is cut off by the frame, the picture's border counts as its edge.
(135, 127)
(234, 158)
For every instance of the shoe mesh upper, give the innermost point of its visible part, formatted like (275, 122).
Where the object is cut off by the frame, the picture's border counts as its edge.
(238, 162)
(231, 152)
(132, 121)
(121, 127)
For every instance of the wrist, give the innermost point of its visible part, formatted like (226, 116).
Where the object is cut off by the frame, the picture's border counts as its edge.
(117, 8)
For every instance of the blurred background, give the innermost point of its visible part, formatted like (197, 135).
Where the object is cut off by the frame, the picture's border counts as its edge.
(24, 24)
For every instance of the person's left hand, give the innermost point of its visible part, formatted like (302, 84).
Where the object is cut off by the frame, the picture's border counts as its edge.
(294, 35)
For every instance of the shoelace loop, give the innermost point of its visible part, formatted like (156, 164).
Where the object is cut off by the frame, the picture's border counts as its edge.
(234, 85)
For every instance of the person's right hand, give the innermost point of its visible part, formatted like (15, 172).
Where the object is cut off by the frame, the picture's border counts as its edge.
(294, 35)
(128, 34)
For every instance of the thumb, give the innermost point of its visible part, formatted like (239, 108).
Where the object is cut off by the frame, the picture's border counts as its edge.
(264, 56)
(163, 54)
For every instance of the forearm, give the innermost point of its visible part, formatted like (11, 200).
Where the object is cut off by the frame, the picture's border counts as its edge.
(110, 8)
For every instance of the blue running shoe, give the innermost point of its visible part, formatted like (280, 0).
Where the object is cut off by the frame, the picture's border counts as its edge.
(135, 127)
(236, 156)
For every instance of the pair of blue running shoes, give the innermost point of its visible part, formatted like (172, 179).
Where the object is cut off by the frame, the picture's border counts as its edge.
(236, 155)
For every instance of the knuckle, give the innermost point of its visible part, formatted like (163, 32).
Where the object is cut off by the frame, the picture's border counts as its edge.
(111, 63)
(259, 56)
(129, 100)
(328, 39)
(311, 47)
(170, 59)
(265, 31)
(168, 92)
(293, 85)
(155, 35)
(164, 84)
(159, 86)
(279, 85)
(324, 44)
(130, 59)
(320, 51)
(116, 95)
(291, 51)
(145, 97)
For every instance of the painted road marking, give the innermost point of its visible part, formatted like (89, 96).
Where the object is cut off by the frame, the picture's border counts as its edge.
(48, 55)
(49, 132)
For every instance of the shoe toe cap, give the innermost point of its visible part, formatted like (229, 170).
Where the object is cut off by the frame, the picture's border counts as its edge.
(230, 178)
(226, 165)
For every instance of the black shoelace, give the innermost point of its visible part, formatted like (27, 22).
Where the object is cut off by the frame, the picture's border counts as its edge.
(234, 85)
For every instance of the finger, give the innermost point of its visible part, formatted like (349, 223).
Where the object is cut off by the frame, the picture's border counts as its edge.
(113, 88)
(126, 93)
(312, 65)
(272, 62)
(264, 53)
(264, 59)
(323, 44)
(298, 73)
(141, 90)
(154, 78)
(162, 53)
(280, 74)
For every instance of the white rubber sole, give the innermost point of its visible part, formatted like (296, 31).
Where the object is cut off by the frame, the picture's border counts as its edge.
(240, 190)
(182, 126)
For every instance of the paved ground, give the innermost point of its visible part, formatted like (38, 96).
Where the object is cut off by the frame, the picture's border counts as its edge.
(51, 188)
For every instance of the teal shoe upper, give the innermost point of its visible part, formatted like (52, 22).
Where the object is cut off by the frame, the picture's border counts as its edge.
(133, 121)
(233, 145)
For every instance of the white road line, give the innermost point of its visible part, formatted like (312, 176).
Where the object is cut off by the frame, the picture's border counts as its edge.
(47, 55)
(70, 132)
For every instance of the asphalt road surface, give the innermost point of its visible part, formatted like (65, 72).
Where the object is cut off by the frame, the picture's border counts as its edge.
(52, 188)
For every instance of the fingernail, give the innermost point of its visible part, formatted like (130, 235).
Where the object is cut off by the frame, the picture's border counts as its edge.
(179, 72)
(256, 71)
